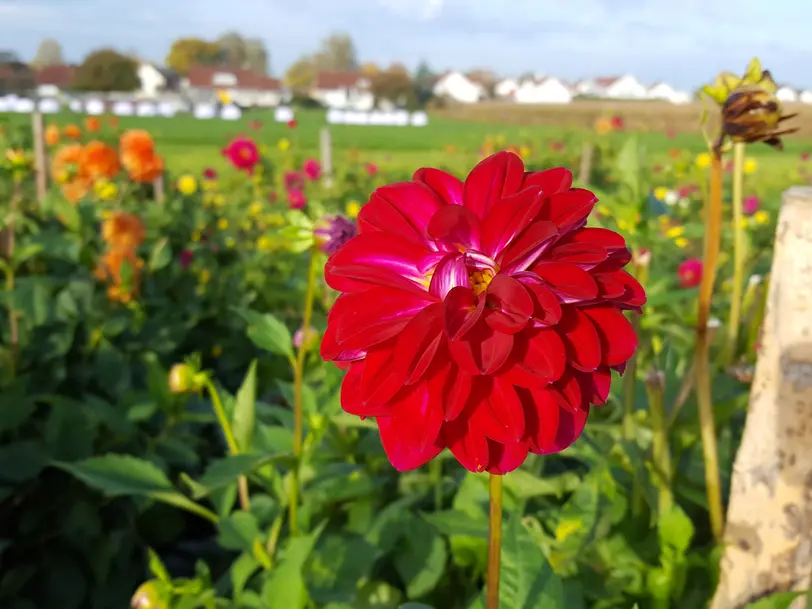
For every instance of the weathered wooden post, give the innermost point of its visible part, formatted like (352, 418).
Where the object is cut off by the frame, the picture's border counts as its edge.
(326, 157)
(40, 156)
(768, 537)
(159, 189)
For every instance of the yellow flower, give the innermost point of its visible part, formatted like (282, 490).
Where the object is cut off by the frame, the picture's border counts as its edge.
(106, 191)
(264, 243)
(255, 209)
(681, 241)
(744, 223)
(222, 224)
(660, 192)
(353, 208)
(205, 275)
(674, 232)
(603, 210)
(283, 144)
(623, 225)
(187, 185)
(761, 217)
(219, 200)
(750, 166)
(196, 236)
(524, 152)
(703, 160)
(275, 219)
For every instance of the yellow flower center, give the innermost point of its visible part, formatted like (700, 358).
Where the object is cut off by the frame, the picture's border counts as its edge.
(480, 280)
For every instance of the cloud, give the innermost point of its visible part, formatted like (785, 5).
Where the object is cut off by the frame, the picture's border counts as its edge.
(683, 42)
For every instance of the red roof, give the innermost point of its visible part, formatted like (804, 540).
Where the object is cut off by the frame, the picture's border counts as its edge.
(60, 76)
(203, 77)
(607, 81)
(340, 80)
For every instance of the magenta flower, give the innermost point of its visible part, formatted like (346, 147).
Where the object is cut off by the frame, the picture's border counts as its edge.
(210, 174)
(243, 153)
(294, 180)
(804, 156)
(371, 169)
(750, 205)
(689, 273)
(296, 199)
(185, 259)
(311, 169)
(333, 232)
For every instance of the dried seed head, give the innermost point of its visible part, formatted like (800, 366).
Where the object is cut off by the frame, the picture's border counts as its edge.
(752, 113)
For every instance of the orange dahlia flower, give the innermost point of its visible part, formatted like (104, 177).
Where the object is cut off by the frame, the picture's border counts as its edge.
(92, 124)
(72, 132)
(100, 161)
(139, 157)
(123, 230)
(121, 268)
(67, 170)
(52, 135)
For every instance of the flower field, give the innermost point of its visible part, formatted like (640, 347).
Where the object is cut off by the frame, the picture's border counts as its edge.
(174, 432)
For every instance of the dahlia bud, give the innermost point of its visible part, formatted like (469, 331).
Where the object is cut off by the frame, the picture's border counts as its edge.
(655, 379)
(333, 232)
(183, 378)
(306, 338)
(149, 596)
(752, 113)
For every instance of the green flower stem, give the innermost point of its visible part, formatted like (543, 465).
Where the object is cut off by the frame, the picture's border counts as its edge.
(494, 542)
(739, 246)
(629, 428)
(436, 473)
(660, 452)
(298, 385)
(228, 432)
(713, 232)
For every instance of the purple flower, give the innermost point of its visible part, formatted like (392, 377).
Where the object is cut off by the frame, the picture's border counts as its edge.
(333, 232)
(185, 259)
(750, 205)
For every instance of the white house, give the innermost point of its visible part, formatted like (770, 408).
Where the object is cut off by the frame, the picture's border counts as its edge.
(613, 87)
(344, 91)
(155, 80)
(245, 88)
(545, 90)
(668, 93)
(785, 93)
(805, 97)
(458, 87)
(506, 87)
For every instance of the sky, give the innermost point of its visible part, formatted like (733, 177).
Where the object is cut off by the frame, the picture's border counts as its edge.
(683, 42)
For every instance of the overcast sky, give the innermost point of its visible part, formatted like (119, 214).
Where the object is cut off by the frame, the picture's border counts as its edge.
(684, 42)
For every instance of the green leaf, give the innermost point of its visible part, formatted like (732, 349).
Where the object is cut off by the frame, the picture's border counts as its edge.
(160, 256)
(119, 475)
(157, 567)
(415, 606)
(22, 461)
(222, 472)
(455, 522)
(239, 531)
(268, 333)
(524, 485)
(420, 558)
(337, 566)
(25, 252)
(242, 570)
(782, 600)
(286, 587)
(675, 530)
(244, 416)
(628, 167)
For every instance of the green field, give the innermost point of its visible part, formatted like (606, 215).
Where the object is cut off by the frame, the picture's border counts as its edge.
(190, 144)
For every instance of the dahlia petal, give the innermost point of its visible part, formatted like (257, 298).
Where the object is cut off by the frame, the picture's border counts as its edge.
(552, 181)
(633, 296)
(550, 427)
(456, 226)
(595, 385)
(445, 185)
(498, 414)
(482, 350)
(509, 305)
(568, 210)
(570, 282)
(381, 379)
(351, 396)
(585, 255)
(404, 209)
(617, 336)
(546, 308)
(580, 339)
(330, 350)
(466, 444)
(538, 358)
(504, 458)
(609, 286)
(461, 309)
(411, 436)
(494, 178)
(570, 389)
(507, 218)
(376, 259)
(417, 344)
(450, 273)
(527, 247)
(364, 319)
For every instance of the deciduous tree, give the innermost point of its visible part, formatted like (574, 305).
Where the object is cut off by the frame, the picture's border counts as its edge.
(107, 70)
(187, 52)
(256, 56)
(233, 48)
(49, 53)
(394, 85)
(337, 54)
(301, 76)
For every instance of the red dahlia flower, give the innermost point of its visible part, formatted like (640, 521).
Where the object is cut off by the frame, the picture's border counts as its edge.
(243, 153)
(479, 316)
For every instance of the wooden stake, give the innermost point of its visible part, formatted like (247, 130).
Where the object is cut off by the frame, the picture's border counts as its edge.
(40, 155)
(326, 157)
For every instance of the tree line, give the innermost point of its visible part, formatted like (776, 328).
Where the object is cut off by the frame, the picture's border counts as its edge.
(111, 70)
